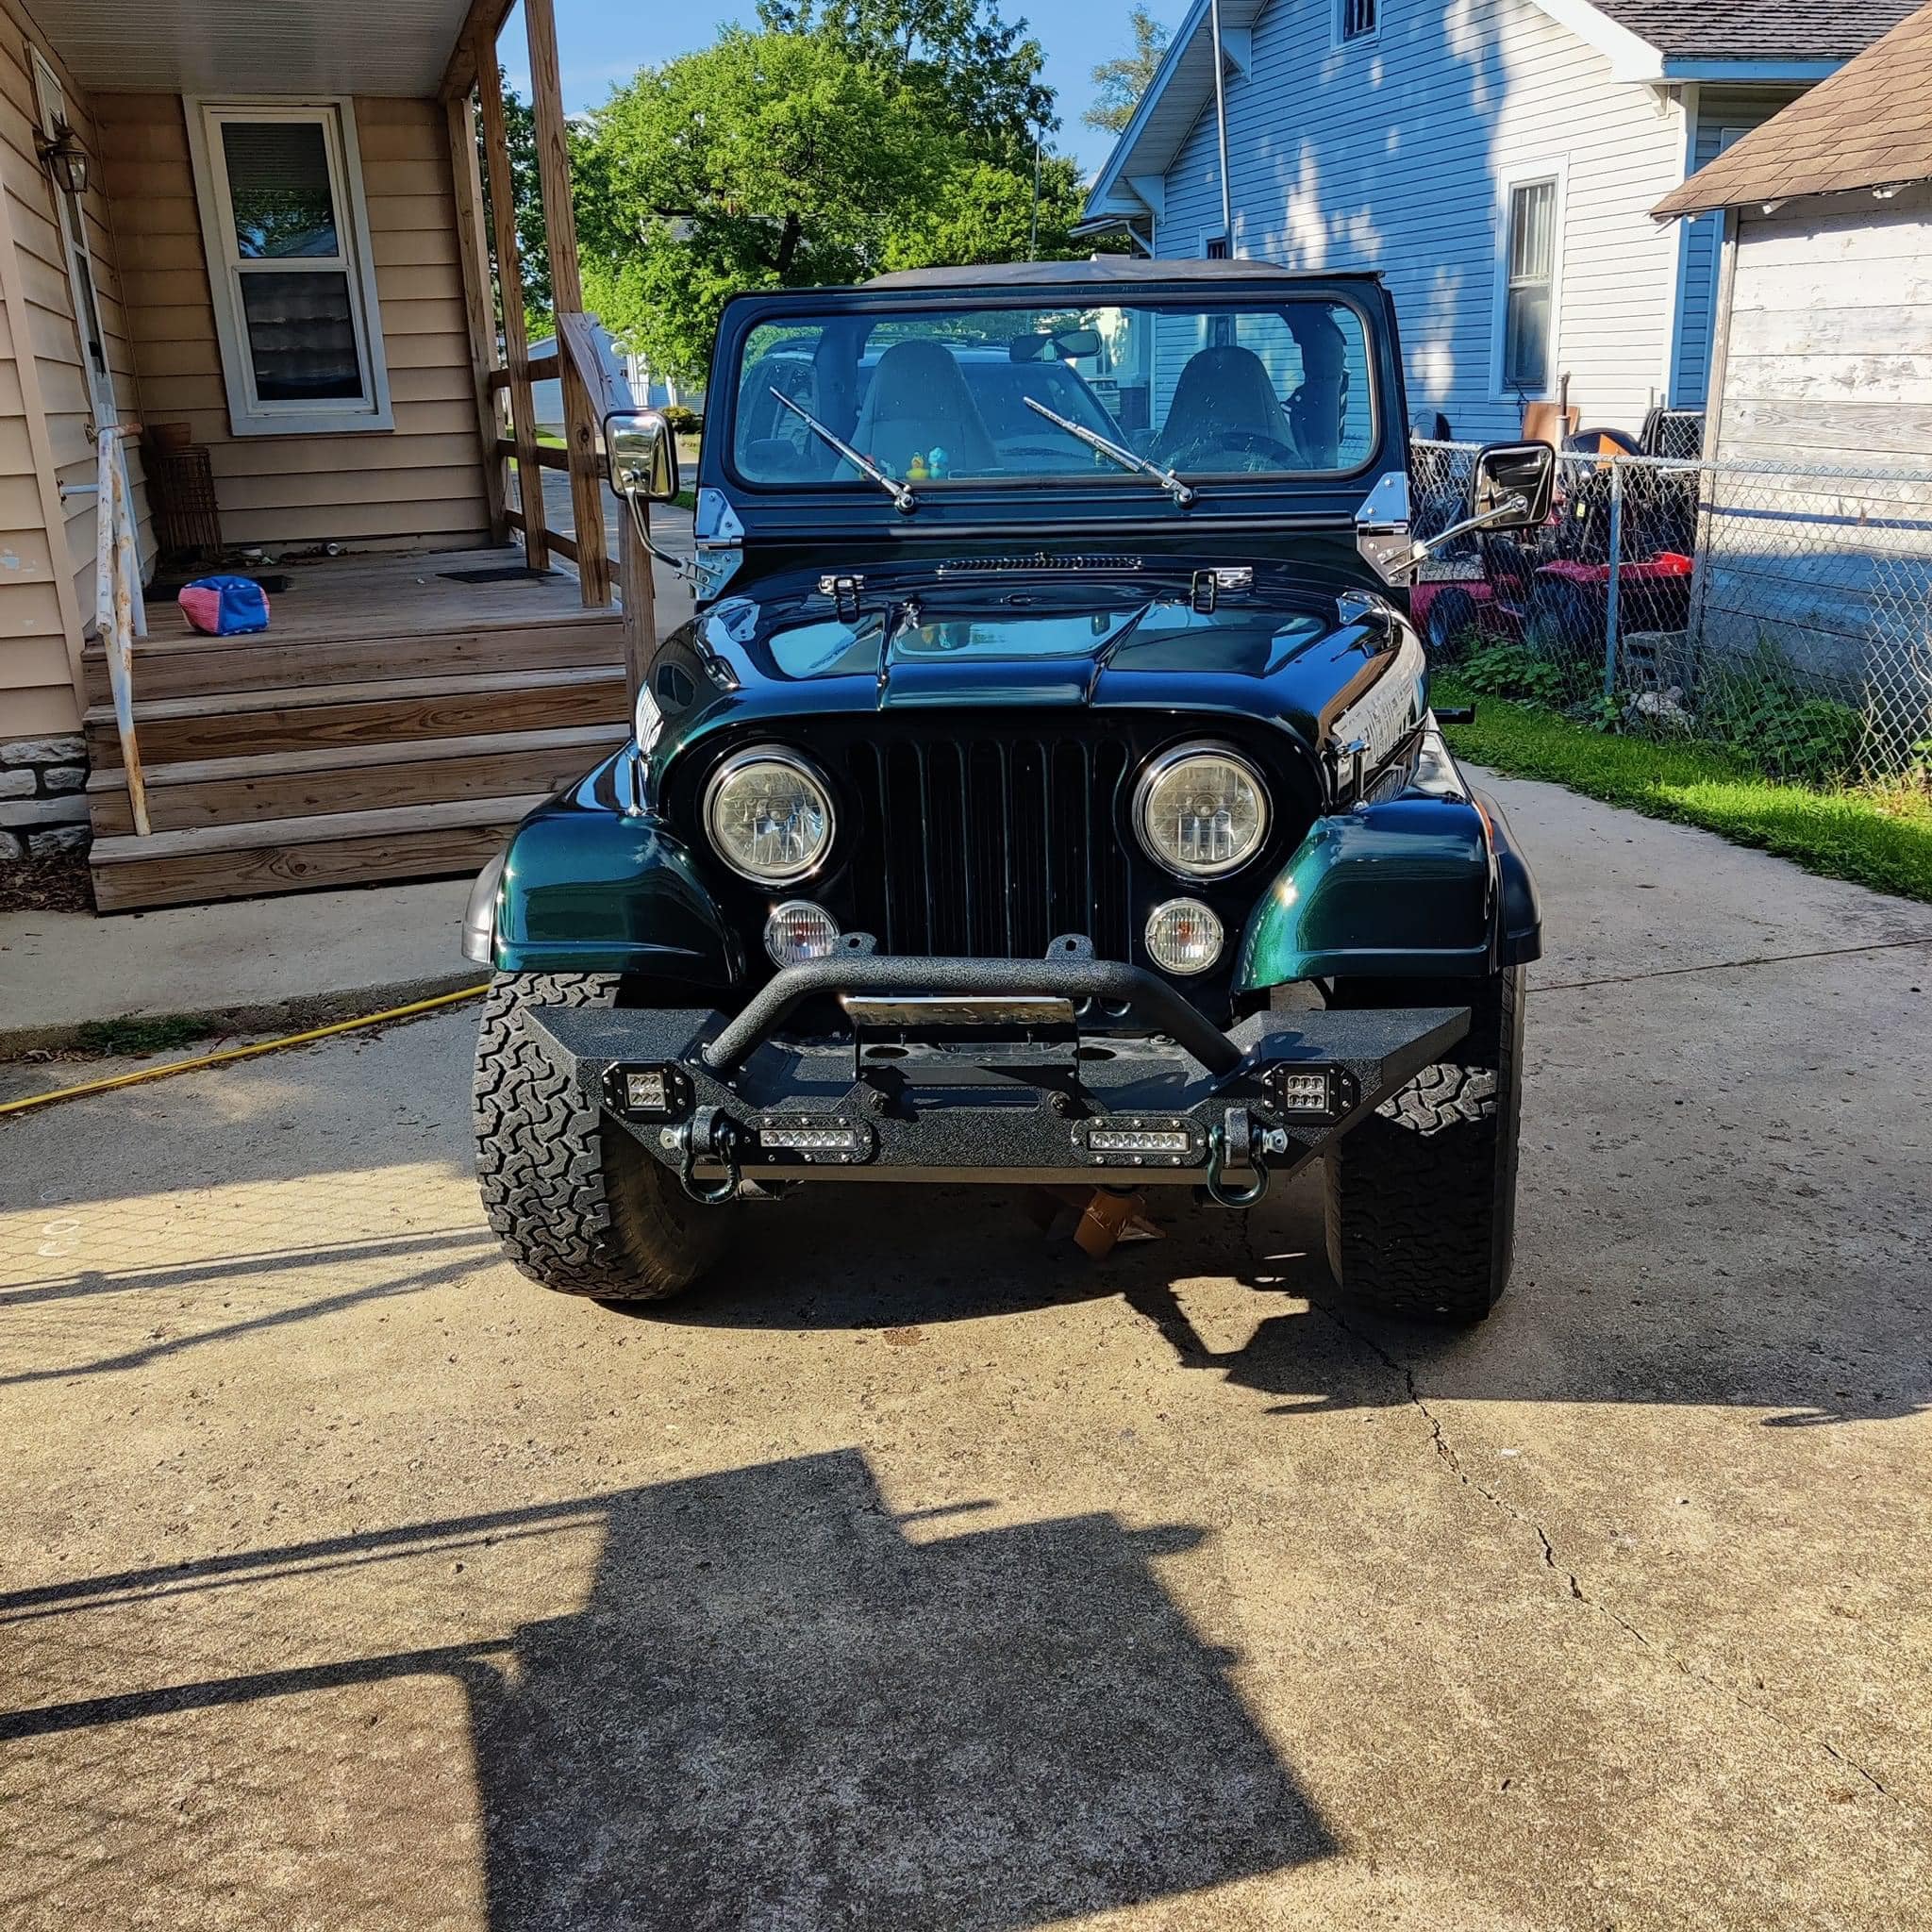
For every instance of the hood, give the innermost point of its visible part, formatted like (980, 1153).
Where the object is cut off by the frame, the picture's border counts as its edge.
(1028, 642)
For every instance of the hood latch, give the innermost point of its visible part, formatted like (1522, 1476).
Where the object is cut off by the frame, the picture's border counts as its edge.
(1210, 584)
(845, 590)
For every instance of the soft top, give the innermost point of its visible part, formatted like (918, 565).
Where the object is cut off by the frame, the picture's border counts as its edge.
(1106, 271)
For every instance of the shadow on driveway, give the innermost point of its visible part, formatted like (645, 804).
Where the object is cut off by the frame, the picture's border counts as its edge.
(780, 1705)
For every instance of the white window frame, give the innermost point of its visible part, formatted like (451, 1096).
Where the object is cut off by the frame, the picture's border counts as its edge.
(248, 413)
(1528, 174)
(1337, 23)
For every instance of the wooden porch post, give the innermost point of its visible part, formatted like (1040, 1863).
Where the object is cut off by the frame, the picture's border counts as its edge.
(472, 253)
(581, 427)
(516, 341)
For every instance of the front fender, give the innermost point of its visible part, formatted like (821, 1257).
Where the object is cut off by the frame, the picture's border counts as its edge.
(1423, 883)
(599, 891)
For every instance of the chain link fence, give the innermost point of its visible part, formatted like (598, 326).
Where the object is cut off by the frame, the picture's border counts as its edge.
(1783, 613)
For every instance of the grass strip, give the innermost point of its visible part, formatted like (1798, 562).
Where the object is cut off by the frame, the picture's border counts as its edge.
(1878, 836)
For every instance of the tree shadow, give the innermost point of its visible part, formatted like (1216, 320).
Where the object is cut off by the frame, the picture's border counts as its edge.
(780, 1705)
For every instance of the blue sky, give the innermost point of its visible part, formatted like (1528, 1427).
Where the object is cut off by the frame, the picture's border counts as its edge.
(601, 42)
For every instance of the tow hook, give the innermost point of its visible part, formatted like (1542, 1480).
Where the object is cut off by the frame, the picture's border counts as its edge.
(711, 1131)
(1241, 1142)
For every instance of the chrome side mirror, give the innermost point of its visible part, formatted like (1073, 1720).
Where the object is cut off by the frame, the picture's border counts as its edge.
(643, 455)
(1513, 484)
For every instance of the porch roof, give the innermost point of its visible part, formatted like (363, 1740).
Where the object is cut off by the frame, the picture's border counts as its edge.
(400, 47)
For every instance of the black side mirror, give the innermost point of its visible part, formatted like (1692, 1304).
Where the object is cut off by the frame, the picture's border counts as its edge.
(1513, 484)
(642, 453)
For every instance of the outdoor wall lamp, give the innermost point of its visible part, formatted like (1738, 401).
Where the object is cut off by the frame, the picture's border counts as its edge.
(66, 161)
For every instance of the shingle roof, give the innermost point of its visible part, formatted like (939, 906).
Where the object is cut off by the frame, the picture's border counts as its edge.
(1756, 29)
(1869, 124)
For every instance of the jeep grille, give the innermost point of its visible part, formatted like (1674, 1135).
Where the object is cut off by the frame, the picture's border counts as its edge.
(991, 848)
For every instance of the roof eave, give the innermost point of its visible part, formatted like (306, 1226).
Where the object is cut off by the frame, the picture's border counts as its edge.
(1797, 73)
(1102, 196)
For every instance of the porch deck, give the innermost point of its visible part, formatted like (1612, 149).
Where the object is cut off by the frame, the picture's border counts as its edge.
(400, 714)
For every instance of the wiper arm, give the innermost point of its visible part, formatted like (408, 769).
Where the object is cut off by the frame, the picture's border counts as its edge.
(1182, 493)
(902, 496)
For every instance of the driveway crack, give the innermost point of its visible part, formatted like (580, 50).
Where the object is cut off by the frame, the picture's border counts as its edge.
(1447, 1452)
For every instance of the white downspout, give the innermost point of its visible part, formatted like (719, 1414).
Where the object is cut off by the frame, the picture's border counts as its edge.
(1221, 126)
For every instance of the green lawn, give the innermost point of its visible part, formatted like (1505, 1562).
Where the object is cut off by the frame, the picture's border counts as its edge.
(1879, 837)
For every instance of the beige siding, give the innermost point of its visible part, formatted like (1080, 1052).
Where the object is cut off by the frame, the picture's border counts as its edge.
(39, 539)
(422, 482)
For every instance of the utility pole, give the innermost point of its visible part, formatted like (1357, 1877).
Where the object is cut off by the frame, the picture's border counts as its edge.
(1033, 240)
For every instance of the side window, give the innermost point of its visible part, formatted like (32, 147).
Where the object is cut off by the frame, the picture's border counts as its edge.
(1529, 249)
(1356, 20)
(286, 237)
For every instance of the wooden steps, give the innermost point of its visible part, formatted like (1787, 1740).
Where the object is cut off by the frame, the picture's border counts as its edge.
(350, 848)
(311, 755)
(303, 784)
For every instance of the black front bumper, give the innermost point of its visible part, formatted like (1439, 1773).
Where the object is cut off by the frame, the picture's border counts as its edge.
(979, 1070)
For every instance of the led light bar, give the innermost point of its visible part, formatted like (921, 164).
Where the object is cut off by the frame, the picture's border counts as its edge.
(815, 1139)
(1138, 1140)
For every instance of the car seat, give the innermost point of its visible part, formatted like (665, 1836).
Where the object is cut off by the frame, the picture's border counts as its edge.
(1224, 391)
(918, 402)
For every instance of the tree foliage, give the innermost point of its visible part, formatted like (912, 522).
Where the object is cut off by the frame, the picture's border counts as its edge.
(840, 138)
(1120, 83)
(976, 73)
(526, 192)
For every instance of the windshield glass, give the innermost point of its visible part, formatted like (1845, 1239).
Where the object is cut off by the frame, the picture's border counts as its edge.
(955, 396)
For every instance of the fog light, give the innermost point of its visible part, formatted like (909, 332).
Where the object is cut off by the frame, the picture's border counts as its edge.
(1303, 1092)
(1183, 937)
(798, 930)
(645, 1092)
(816, 1139)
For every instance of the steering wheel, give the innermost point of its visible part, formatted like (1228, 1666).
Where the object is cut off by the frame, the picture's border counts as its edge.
(1246, 442)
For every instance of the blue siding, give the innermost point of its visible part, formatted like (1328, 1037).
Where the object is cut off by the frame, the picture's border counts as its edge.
(1716, 112)
(1389, 156)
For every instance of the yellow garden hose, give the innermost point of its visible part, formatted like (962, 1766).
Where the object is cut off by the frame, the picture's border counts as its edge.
(242, 1053)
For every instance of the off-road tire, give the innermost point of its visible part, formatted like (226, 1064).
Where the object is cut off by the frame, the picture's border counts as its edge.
(577, 1205)
(1422, 1195)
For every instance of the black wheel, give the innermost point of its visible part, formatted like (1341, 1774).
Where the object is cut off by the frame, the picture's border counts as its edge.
(577, 1205)
(1451, 625)
(1565, 621)
(1422, 1195)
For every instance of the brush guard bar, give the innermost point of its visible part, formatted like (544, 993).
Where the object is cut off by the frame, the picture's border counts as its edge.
(954, 1070)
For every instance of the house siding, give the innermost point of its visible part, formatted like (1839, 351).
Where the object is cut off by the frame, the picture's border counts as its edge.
(1389, 157)
(45, 412)
(1717, 110)
(419, 483)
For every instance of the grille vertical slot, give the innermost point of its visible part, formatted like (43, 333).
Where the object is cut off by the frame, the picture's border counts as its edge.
(991, 847)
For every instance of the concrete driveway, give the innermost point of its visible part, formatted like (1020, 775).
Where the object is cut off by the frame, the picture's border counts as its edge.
(919, 1577)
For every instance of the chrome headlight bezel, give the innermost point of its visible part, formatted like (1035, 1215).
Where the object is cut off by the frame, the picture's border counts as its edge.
(808, 775)
(1161, 767)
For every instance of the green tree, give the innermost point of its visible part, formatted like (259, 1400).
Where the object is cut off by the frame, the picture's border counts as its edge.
(978, 74)
(986, 214)
(1120, 83)
(768, 160)
(527, 192)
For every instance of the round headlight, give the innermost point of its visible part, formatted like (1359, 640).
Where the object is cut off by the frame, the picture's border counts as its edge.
(769, 816)
(1202, 811)
(1183, 937)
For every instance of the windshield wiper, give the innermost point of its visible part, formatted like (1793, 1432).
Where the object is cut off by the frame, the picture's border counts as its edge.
(1182, 493)
(902, 496)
